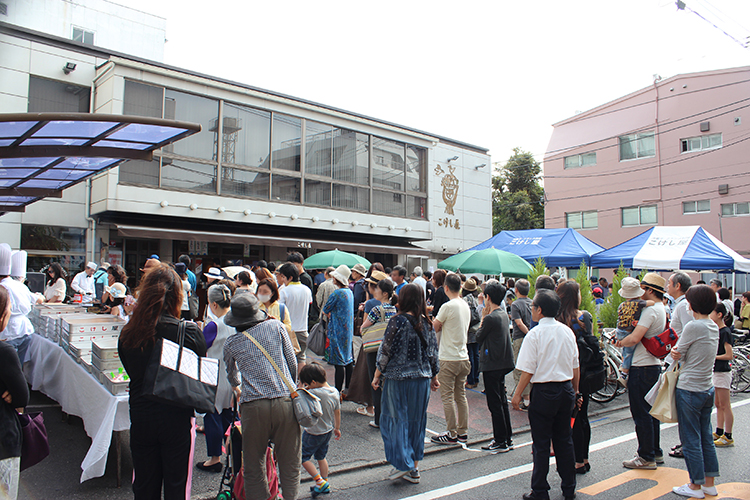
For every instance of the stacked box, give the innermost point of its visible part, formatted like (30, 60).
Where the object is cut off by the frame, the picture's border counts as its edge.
(79, 331)
(45, 318)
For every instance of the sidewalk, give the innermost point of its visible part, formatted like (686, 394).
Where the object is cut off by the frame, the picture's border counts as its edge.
(361, 445)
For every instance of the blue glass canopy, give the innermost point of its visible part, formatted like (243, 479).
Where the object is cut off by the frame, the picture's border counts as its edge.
(43, 153)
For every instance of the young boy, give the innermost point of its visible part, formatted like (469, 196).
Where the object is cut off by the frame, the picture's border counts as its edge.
(315, 439)
(628, 315)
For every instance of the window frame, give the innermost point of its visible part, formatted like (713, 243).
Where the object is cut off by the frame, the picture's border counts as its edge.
(635, 138)
(734, 209)
(640, 215)
(580, 161)
(582, 214)
(696, 210)
(84, 32)
(686, 143)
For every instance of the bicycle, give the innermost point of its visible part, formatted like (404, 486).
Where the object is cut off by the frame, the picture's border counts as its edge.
(612, 359)
(740, 366)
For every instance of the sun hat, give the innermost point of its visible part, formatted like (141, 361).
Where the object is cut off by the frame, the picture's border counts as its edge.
(214, 272)
(341, 274)
(376, 277)
(118, 291)
(470, 286)
(244, 311)
(654, 281)
(359, 268)
(630, 288)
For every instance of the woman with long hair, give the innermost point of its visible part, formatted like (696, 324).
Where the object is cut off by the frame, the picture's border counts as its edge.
(161, 434)
(581, 323)
(407, 370)
(56, 288)
(14, 394)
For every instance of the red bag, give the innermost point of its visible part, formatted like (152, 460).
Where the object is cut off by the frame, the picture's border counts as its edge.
(660, 345)
(271, 475)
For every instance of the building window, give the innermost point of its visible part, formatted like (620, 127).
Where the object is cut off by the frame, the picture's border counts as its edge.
(287, 138)
(583, 160)
(83, 36)
(143, 100)
(639, 216)
(635, 146)
(696, 207)
(732, 209)
(582, 220)
(701, 143)
(49, 96)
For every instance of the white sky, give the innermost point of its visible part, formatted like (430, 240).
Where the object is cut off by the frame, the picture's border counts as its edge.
(496, 74)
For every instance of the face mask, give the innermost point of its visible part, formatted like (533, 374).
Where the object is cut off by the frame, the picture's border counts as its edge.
(263, 298)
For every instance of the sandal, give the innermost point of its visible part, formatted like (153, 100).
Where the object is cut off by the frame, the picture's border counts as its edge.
(362, 410)
(677, 453)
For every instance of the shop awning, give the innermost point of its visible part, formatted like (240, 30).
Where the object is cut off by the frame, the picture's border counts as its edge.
(43, 153)
(181, 234)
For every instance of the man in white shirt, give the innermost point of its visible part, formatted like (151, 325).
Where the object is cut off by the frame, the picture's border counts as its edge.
(297, 298)
(84, 284)
(452, 326)
(644, 373)
(419, 279)
(549, 360)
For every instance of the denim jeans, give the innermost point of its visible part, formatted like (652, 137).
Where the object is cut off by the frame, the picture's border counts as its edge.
(403, 420)
(640, 380)
(473, 376)
(694, 422)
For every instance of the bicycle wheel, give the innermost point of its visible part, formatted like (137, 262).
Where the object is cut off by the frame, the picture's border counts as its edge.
(740, 374)
(611, 387)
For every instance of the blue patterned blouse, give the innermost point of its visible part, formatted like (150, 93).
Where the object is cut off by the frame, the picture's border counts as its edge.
(404, 354)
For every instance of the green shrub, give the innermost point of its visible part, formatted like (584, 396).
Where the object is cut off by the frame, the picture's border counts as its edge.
(608, 310)
(587, 298)
(540, 268)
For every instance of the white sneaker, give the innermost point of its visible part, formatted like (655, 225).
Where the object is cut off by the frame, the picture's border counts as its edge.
(685, 491)
(398, 474)
(710, 490)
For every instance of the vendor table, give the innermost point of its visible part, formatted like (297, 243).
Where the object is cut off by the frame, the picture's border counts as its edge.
(50, 370)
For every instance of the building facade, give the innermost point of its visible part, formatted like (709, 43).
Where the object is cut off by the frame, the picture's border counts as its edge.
(268, 173)
(673, 154)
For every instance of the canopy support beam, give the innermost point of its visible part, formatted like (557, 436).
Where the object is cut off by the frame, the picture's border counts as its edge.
(21, 191)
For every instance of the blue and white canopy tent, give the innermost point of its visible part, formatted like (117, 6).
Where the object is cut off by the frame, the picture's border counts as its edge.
(563, 247)
(666, 248)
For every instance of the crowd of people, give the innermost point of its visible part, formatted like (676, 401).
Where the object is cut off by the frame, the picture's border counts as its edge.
(391, 340)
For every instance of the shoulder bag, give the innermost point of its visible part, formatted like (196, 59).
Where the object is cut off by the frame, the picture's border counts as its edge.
(306, 405)
(660, 345)
(372, 336)
(35, 445)
(316, 340)
(178, 376)
(664, 408)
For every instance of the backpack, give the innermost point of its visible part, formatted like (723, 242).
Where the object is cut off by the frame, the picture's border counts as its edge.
(476, 316)
(591, 361)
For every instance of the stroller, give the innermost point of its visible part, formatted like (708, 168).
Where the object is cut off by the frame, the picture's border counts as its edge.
(232, 485)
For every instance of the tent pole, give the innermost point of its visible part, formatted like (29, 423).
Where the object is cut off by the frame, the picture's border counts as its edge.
(734, 285)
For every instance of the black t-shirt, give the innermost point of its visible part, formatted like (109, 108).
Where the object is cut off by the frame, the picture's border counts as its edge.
(438, 299)
(13, 381)
(725, 337)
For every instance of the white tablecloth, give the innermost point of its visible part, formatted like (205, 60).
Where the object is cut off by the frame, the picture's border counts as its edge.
(52, 371)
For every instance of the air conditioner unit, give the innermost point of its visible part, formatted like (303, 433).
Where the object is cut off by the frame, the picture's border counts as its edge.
(723, 188)
(705, 126)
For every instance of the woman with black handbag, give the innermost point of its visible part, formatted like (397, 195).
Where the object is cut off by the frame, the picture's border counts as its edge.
(581, 324)
(161, 434)
(15, 394)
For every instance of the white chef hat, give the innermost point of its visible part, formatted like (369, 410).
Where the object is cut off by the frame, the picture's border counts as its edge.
(18, 264)
(5, 255)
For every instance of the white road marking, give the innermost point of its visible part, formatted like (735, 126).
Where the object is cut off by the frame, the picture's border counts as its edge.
(522, 469)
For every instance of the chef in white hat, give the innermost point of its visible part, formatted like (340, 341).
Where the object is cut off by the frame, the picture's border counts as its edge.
(84, 283)
(19, 329)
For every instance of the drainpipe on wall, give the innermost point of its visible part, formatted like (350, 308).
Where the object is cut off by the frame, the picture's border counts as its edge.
(91, 221)
(657, 143)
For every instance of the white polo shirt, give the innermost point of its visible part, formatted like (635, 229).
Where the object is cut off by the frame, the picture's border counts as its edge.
(297, 298)
(549, 352)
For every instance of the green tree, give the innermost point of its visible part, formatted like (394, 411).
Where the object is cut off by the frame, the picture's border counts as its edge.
(608, 310)
(539, 269)
(517, 196)
(587, 298)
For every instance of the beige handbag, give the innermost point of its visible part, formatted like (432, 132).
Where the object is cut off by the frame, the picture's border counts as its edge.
(664, 408)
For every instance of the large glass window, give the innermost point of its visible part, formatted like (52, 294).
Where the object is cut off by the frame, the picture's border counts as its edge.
(351, 155)
(195, 109)
(351, 198)
(240, 182)
(416, 207)
(246, 136)
(634, 146)
(388, 164)
(54, 238)
(415, 164)
(143, 100)
(49, 96)
(287, 137)
(318, 149)
(188, 175)
(285, 188)
(317, 193)
(140, 172)
(387, 203)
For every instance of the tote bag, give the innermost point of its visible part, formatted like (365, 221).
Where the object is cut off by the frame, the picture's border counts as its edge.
(664, 408)
(180, 377)
(372, 336)
(35, 445)
(316, 341)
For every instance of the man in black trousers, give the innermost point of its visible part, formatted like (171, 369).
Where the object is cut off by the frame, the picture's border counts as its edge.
(549, 360)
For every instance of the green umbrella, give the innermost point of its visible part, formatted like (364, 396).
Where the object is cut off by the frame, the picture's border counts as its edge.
(491, 261)
(334, 258)
(453, 263)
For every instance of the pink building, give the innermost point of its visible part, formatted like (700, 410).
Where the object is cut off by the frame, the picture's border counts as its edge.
(673, 154)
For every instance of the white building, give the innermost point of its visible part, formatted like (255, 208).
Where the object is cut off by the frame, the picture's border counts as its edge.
(267, 174)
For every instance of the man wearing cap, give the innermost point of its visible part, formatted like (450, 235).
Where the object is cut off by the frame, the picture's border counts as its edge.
(644, 373)
(358, 289)
(83, 283)
(19, 329)
(265, 399)
(297, 298)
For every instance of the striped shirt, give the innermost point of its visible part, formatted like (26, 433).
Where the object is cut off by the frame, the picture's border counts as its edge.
(259, 378)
